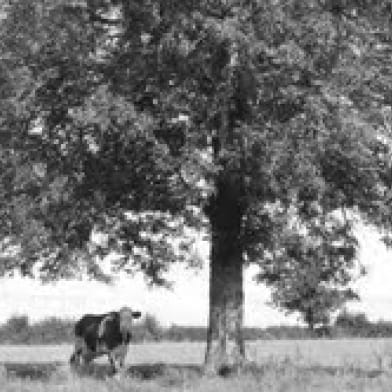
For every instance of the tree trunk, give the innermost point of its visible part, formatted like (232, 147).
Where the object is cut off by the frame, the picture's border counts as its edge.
(309, 319)
(225, 345)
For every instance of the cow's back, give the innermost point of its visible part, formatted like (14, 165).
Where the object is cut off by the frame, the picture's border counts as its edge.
(87, 329)
(111, 334)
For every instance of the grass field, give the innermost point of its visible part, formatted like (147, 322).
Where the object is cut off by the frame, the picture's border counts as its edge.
(323, 365)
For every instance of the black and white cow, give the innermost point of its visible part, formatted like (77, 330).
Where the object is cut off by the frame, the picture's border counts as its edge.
(108, 333)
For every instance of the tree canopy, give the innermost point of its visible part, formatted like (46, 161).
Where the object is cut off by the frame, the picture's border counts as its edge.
(112, 107)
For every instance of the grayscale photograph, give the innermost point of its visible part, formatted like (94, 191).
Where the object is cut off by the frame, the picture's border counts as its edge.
(195, 195)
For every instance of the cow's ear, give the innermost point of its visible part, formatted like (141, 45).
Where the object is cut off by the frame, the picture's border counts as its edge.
(136, 315)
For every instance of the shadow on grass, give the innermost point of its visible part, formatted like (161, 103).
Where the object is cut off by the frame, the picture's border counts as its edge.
(339, 370)
(258, 370)
(147, 371)
(171, 374)
(33, 371)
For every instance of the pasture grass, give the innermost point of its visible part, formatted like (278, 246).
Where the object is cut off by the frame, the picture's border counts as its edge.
(276, 366)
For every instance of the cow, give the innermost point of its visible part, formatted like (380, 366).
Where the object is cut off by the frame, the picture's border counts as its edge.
(104, 334)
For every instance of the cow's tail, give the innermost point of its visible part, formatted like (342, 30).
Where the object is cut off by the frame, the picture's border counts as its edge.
(78, 329)
(74, 359)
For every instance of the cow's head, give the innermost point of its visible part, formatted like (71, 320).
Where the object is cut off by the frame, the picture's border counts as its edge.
(127, 315)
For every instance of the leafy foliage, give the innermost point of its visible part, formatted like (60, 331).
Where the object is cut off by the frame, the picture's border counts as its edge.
(310, 272)
(133, 118)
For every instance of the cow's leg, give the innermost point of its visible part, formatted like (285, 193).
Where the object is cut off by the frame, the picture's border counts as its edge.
(87, 356)
(75, 358)
(77, 353)
(112, 361)
(118, 357)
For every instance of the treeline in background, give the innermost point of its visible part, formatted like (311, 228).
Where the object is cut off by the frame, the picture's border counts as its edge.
(18, 330)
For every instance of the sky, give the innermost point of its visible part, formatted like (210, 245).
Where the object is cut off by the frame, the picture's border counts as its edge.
(187, 302)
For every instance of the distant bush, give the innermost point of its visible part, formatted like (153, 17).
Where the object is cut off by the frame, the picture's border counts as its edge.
(288, 332)
(15, 330)
(358, 325)
(179, 333)
(18, 330)
(148, 329)
(18, 324)
(52, 330)
(355, 324)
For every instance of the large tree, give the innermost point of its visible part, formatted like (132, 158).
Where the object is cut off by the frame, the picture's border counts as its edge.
(140, 118)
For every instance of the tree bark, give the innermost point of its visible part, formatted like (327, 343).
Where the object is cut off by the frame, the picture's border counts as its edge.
(225, 344)
(309, 319)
